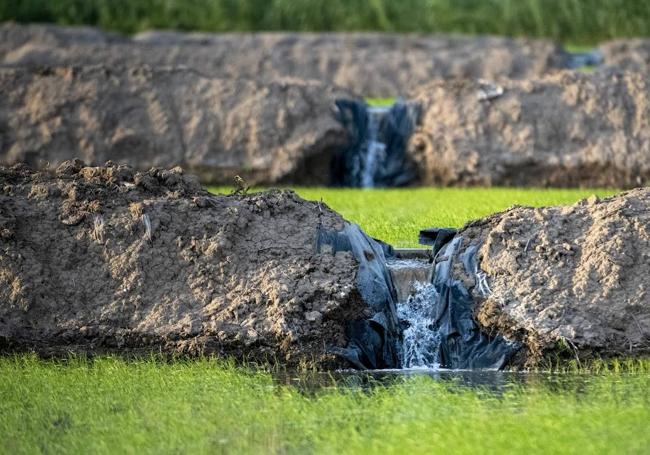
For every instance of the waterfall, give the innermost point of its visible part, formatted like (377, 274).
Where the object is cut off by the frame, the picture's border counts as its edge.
(421, 340)
(416, 309)
(376, 154)
(374, 151)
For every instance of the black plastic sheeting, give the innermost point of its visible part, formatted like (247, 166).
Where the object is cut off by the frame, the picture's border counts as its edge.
(375, 343)
(575, 60)
(463, 344)
(394, 130)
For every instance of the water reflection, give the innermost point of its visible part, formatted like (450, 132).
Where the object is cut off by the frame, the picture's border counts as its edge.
(492, 381)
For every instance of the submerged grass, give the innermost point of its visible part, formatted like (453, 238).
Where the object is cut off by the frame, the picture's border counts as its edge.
(114, 406)
(397, 215)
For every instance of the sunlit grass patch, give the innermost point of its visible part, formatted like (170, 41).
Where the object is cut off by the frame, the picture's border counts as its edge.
(381, 102)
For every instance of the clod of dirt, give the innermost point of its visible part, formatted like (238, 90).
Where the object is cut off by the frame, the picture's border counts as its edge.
(371, 64)
(106, 259)
(145, 117)
(573, 278)
(566, 129)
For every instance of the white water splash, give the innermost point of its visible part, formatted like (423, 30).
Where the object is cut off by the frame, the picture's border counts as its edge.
(420, 339)
(374, 150)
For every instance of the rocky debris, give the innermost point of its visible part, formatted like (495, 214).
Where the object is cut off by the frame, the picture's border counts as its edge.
(144, 117)
(566, 129)
(107, 259)
(566, 280)
(371, 64)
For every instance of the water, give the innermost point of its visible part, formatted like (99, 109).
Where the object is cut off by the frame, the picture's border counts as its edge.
(417, 299)
(405, 273)
(374, 151)
(421, 340)
(378, 141)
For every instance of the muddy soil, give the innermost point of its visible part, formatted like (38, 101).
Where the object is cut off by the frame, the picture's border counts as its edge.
(566, 129)
(106, 259)
(567, 280)
(145, 117)
(370, 64)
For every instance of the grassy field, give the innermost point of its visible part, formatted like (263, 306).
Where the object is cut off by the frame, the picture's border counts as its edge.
(572, 21)
(397, 215)
(111, 406)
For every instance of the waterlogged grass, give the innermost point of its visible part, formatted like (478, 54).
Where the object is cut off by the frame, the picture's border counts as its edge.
(397, 215)
(114, 406)
(575, 21)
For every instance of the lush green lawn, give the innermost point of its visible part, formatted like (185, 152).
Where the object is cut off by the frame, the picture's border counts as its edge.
(110, 406)
(574, 21)
(397, 215)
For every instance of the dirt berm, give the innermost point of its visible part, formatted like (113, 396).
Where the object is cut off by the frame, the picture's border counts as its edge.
(566, 281)
(371, 64)
(145, 117)
(628, 54)
(104, 259)
(566, 129)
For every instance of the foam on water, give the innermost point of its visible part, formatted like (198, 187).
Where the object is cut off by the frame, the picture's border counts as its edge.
(421, 340)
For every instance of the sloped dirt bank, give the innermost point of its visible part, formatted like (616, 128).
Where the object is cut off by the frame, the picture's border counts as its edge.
(105, 259)
(567, 129)
(148, 117)
(564, 281)
(371, 64)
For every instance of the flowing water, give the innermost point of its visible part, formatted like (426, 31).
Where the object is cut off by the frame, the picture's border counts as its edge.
(374, 150)
(417, 300)
(421, 340)
(376, 156)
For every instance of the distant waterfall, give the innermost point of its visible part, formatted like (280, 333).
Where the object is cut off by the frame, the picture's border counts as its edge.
(374, 151)
(376, 156)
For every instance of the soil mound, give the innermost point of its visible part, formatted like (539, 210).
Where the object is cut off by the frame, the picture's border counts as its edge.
(371, 64)
(566, 129)
(567, 279)
(97, 259)
(145, 117)
(627, 54)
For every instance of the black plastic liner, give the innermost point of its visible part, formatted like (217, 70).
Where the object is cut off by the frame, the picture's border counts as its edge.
(373, 343)
(394, 130)
(463, 344)
(576, 60)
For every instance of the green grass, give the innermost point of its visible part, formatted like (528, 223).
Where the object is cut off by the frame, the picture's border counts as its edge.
(574, 21)
(381, 102)
(114, 406)
(397, 215)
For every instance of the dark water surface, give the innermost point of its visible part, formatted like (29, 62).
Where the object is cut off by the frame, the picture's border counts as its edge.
(493, 381)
